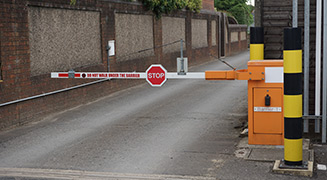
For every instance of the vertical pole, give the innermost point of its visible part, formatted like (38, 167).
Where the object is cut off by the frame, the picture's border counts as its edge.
(293, 125)
(258, 13)
(182, 48)
(219, 36)
(256, 43)
(108, 58)
(182, 59)
(318, 65)
(306, 64)
(295, 6)
(223, 35)
(324, 105)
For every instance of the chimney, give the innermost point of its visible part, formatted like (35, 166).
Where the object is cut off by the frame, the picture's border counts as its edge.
(208, 5)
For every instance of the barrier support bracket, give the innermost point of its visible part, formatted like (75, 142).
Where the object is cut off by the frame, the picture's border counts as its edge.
(243, 74)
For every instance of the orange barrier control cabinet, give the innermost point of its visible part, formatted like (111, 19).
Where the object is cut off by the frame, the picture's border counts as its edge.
(265, 103)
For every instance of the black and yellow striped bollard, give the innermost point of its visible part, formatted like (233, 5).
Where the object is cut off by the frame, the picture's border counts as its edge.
(293, 125)
(256, 43)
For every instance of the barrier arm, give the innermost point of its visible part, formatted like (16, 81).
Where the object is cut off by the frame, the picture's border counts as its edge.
(242, 74)
(161, 75)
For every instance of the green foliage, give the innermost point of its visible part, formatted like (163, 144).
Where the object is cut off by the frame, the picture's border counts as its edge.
(194, 5)
(166, 6)
(72, 2)
(237, 8)
(158, 7)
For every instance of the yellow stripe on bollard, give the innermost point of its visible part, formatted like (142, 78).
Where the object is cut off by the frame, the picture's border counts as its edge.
(293, 61)
(293, 150)
(292, 106)
(256, 51)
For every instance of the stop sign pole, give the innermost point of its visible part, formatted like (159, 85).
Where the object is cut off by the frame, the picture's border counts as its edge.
(156, 75)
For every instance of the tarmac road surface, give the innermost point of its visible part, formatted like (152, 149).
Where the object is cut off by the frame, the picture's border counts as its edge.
(183, 130)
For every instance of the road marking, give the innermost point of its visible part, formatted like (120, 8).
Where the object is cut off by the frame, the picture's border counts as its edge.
(85, 175)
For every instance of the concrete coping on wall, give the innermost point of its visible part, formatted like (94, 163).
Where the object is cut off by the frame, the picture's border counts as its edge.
(210, 12)
(237, 27)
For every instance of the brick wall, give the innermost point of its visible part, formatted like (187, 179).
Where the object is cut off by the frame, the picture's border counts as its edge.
(235, 41)
(208, 4)
(15, 49)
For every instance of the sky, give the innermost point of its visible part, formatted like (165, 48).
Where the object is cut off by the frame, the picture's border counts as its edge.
(251, 2)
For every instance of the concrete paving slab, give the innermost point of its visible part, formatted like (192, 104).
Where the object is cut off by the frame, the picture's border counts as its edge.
(244, 144)
(270, 155)
(298, 172)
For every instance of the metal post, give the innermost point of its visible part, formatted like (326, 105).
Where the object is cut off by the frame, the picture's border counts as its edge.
(306, 64)
(295, 13)
(324, 105)
(182, 72)
(318, 66)
(182, 48)
(182, 58)
(108, 49)
(293, 123)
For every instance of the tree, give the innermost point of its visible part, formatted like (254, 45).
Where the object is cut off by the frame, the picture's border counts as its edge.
(72, 2)
(237, 8)
(159, 7)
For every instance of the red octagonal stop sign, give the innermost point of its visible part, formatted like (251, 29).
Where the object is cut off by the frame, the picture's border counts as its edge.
(156, 75)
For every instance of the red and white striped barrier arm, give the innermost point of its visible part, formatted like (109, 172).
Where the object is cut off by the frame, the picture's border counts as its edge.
(125, 75)
(100, 75)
